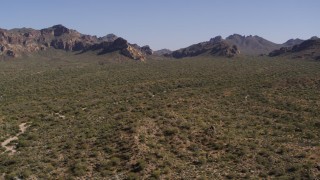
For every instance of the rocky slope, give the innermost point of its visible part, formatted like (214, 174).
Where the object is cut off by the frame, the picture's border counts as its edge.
(121, 45)
(309, 49)
(17, 42)
(233, 45)
(252, 45)
(162, 52)
(292, 42)
(216, 46)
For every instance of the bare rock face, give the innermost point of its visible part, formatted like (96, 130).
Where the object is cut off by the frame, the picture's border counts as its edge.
(123, 47)
(147, 50)
(118, 44)
(108, 38)
(224, 49)
(279, 51)
(10, 53)
(252, 45)
(133, 53)
(216, 47)
(309, 49)
(216, 39)
(58, 30)
(2, 48)
(16, 42)
(162, 52)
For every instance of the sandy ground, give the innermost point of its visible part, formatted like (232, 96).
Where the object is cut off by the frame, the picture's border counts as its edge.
(23, 127)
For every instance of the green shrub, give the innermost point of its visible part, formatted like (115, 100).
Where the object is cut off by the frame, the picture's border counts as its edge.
(132, 176)
(79, 169)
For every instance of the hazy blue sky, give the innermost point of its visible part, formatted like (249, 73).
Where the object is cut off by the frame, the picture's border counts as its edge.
(169, 24)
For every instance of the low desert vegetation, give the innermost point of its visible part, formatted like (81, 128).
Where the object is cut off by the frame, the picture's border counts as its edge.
(192, 118)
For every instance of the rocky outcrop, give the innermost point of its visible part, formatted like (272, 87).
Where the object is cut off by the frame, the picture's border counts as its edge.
(314, 38)
(252, 45)
(108, 38)
(279, 51)
(309, 49)
(292, 42)
(216, 39)
(59, 30)
(122, 46)
(10, 53)
(162, 52)
(224, 49)
(16, 42)
(133, 53)
(215, 46)
(146, 50)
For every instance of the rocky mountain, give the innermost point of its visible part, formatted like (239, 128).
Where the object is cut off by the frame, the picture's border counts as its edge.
(252, 45)
(309, 49)
(292, 42)
(121, 45)
(144, 49)
(17, 42)
(162, 52)
(108, 38)
(215, 46)
(232, 45)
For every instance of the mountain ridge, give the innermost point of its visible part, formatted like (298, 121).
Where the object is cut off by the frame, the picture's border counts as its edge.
(18, 41)
(309, 49)
(215, 47)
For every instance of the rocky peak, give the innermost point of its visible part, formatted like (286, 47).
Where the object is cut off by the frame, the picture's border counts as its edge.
(213, 47)
(292, 42)
(308, 44)
(58, 30)
(307, 49)
(120, 45)
(147, 50)
(162, 52)
(216, 39)
(108, 38)
(252, 45)
(236, 36)
(16, 42)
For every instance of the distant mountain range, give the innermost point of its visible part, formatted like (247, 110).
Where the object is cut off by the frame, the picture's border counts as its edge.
(248, 45)
(216, 46)
(162, 52)
(309, 49)
(17, 42)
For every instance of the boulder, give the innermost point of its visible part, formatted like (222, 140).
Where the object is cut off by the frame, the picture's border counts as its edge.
(2, 48)
(10, 53)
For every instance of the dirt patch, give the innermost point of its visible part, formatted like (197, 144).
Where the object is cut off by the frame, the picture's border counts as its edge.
(5, 144)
